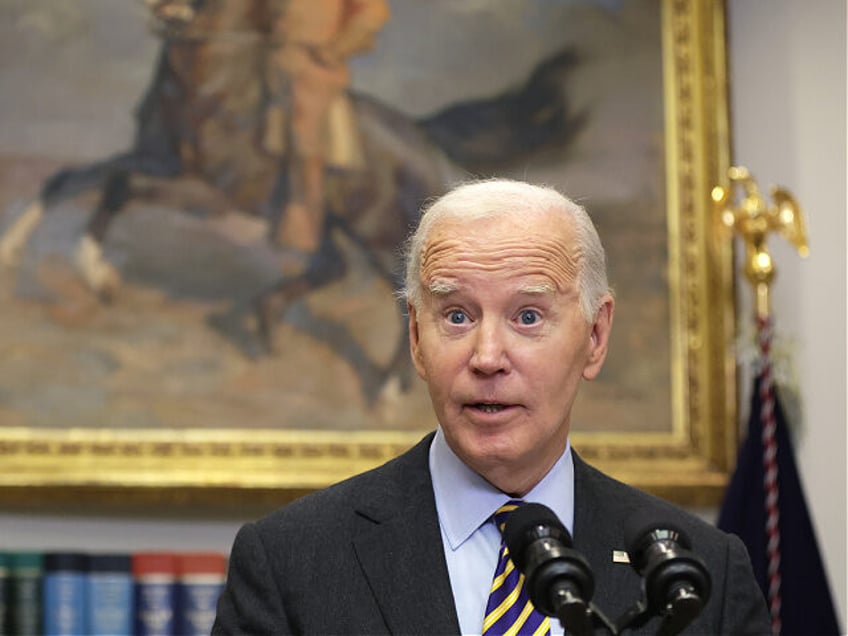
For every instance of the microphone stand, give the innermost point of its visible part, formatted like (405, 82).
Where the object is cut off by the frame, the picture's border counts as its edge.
(673, 621)
(580, 618)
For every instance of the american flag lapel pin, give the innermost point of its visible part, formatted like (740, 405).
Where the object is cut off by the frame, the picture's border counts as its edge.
(620, 556)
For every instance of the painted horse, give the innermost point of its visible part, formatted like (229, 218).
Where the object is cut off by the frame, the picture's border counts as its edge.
(198, 144)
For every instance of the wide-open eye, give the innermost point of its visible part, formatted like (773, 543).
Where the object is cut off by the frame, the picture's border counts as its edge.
(457, 317)
(528, 316)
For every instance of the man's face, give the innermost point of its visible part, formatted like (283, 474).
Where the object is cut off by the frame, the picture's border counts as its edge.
(502, 344)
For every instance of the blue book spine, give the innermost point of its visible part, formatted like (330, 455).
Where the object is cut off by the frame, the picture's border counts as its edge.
(109, 595)
(200, 580)
(64, 594)
(154, 575)
(197, 600)
(155, 601)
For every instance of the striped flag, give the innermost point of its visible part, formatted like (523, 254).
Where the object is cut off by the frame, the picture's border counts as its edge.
(764, 504)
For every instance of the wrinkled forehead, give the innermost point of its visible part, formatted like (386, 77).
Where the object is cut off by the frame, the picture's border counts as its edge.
(539, 247)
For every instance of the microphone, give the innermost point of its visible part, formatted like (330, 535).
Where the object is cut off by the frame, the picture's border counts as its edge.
(676, 582)
(558, 579)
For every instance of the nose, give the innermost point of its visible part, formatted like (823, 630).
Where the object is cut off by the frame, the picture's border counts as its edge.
(490, 351)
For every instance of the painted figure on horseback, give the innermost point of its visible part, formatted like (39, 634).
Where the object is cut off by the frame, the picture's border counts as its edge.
(249, 110)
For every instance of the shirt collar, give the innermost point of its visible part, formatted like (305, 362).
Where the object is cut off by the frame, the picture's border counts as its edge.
(465, 501)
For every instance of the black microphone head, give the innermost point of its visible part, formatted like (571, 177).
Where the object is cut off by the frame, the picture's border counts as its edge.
(558, 579)
(643, 530)
(676, 581)
(528, 523)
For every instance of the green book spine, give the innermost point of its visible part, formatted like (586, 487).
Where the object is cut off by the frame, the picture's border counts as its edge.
(24, 609)
(5, 628)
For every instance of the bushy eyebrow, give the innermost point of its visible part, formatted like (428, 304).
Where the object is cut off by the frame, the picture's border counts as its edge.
(446, 288)
(541, 289)
(442, 288)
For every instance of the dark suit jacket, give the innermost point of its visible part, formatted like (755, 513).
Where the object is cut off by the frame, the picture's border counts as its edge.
(365, 557)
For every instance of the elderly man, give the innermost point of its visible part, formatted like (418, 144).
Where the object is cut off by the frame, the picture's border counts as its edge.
(509, 311)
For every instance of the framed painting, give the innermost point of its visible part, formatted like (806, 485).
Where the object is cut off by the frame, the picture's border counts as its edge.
(164, 340)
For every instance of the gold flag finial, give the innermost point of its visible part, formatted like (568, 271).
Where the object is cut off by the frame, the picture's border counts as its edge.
(753, 219)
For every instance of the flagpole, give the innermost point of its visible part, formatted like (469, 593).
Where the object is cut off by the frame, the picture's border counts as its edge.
(754, 219)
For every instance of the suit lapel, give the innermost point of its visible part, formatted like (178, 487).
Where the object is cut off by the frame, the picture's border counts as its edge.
(599, 518)
(399, 547)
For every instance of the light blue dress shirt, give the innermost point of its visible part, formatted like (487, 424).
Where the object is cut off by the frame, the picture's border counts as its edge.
(465, 503)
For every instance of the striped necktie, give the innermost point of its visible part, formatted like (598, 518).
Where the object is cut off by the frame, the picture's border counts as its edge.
(509, 610)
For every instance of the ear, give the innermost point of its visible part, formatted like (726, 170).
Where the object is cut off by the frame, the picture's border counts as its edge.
(599, 339)
(415, 342)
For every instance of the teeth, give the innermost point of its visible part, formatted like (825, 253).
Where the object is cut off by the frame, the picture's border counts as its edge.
(490, 408)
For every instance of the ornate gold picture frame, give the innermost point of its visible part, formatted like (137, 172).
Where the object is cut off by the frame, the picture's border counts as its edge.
(681, 450)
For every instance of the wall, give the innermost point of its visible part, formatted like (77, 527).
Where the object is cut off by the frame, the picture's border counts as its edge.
(788, 77)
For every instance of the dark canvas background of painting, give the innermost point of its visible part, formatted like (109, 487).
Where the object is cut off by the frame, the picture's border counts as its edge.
(71, 75)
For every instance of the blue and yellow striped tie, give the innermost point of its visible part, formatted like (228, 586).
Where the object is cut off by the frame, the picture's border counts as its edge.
(509, 610)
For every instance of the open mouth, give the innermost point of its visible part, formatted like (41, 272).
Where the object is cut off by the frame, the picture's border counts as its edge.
(488, 407)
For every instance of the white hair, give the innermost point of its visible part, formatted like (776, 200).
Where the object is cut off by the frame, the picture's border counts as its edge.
(495, 197)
